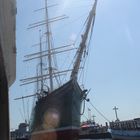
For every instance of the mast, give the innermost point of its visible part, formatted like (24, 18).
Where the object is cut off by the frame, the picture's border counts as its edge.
(48, 37)
(90, 24)
(41, 63)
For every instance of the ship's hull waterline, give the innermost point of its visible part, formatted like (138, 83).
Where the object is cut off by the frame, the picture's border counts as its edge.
(68, 133)
(57, 115)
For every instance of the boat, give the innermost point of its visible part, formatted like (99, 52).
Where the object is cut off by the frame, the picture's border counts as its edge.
(56, 114)
(125, 130)
(21, 133)
(91, 130)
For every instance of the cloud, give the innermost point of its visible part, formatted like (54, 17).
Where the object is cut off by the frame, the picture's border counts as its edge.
(64, 5)
(73, 37)
(129, 35)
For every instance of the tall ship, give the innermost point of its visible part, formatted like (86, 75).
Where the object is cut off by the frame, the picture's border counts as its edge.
(57, 111)
(125, 130)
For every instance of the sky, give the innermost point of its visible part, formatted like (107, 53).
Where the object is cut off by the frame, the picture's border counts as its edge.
(112, 67)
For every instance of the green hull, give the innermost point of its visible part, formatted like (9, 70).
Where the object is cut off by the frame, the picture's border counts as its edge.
(59, 109)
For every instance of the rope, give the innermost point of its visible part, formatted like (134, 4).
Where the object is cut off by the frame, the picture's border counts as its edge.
(99, 112)
(24, 109)
(21, 114)
(85, 116)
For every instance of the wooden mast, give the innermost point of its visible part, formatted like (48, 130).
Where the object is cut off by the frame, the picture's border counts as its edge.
(41, 64)
(82, 47)
(48, 37)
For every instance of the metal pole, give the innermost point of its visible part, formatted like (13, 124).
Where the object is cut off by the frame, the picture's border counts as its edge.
(93, 118)
(115, 109)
